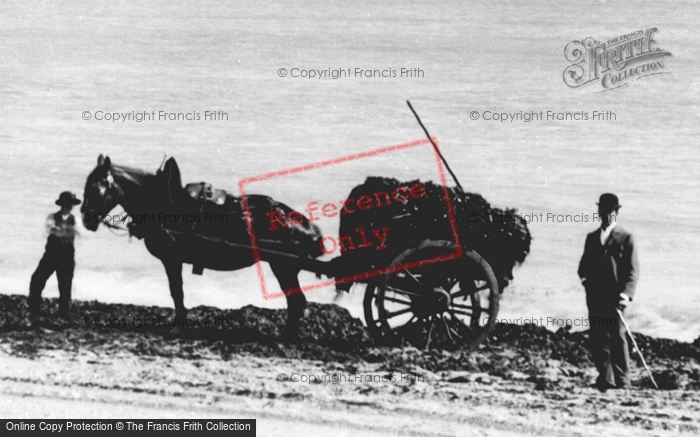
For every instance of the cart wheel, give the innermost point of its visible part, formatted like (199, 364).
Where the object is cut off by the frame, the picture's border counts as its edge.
(443, 304)
(371, 315)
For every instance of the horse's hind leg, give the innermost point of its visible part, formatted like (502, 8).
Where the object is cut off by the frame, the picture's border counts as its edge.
(296, 301)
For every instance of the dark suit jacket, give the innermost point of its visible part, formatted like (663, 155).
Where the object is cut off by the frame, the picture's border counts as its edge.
(609, 269)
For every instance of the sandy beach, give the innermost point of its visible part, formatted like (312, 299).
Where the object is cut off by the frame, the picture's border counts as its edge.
(523, 381)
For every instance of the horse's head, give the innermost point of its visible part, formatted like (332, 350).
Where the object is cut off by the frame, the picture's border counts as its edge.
(102, 194)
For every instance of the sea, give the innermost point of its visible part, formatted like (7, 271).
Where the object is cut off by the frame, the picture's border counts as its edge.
(239, 75)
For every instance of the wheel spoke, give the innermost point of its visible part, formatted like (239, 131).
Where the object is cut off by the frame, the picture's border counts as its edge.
(455, 311)
(413, 277)
(461, 293)
(462, 306)
(430, 334)
(400, 291)
(456, 320)
(393, 299)
(460, 321)
(447, 329)
(397, 313)
(450, 283)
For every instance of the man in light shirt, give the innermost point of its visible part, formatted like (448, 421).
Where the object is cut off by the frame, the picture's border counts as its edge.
(609, 271)
(58, 256)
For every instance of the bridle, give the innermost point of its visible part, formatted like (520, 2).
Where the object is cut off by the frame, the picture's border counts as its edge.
(109, 185)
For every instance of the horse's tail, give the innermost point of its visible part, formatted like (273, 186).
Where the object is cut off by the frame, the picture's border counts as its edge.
(317, 241)
(311, 237)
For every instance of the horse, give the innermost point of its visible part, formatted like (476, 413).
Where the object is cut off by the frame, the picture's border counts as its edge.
(153, 198)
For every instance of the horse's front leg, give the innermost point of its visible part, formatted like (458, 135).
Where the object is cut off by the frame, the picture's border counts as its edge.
(173, 269)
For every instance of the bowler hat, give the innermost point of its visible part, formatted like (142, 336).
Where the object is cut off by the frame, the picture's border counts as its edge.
(67, 198)
(608, 201)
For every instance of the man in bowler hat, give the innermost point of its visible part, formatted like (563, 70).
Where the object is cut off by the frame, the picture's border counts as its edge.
(609, 271)
(58, 256)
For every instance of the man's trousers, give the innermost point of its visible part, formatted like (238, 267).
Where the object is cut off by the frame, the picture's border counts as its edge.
(608, 343)
(56, 259)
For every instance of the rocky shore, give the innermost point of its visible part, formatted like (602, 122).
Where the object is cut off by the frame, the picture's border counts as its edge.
(518, 368)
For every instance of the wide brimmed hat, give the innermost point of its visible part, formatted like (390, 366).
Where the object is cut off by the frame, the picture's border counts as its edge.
(67, 198)
(608, 201)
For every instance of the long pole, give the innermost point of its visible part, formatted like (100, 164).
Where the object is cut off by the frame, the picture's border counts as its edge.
(459, 186)
(634, 343)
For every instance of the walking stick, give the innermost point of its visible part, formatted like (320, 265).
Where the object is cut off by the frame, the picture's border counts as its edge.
(634, 343)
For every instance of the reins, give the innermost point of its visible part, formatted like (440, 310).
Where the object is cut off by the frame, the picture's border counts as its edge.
(113, 228)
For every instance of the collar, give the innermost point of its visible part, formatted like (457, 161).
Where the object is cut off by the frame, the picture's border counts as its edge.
(610, 228)
(59, 214)
(605, 233)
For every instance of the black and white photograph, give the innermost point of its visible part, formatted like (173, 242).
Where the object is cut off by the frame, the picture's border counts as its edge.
(350, 218)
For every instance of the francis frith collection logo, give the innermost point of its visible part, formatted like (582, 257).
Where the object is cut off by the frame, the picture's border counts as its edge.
(616, 62)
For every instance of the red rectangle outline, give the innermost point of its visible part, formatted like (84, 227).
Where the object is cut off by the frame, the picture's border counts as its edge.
(361, 276)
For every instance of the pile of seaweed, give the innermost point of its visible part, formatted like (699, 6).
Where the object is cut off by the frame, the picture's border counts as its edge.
(329, 334)
(500, 236)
